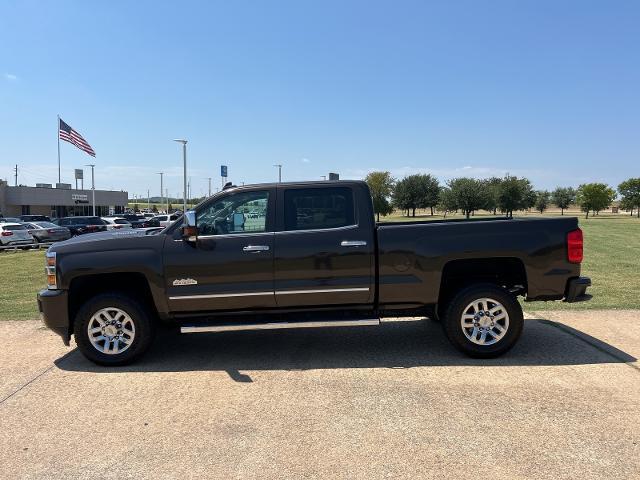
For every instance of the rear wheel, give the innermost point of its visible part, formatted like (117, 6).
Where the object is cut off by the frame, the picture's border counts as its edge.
(113, 329)
(483, 321)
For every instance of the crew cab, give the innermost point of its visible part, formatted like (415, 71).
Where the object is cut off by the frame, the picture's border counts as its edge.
(301, 255)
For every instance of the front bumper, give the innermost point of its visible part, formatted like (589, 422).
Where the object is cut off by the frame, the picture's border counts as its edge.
(54, 309)
(576, 290)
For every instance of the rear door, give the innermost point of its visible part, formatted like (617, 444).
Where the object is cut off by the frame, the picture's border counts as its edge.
(324, 252)
(230, 267)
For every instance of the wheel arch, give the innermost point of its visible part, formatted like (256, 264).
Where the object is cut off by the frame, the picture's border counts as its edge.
(131, 284)
(506, 272)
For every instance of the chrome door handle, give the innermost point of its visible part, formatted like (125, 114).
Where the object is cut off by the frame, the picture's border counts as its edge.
(353, 243)
(255, 248)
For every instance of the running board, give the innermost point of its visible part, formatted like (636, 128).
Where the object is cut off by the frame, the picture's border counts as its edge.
(279, 325)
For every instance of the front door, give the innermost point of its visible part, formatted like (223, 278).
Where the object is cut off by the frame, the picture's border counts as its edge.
(230, 267)
(323, 254)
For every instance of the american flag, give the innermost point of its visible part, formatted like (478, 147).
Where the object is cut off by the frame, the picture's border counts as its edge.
(68, 134)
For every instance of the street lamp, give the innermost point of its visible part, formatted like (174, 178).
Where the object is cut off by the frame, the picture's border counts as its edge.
(161, 190)
(279, 172)
(184, 162)
(93, 188)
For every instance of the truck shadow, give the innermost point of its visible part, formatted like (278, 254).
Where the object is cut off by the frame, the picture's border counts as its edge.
(391, 345)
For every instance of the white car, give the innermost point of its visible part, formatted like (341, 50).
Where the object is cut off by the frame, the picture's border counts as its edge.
(116, 223)
(166, 220)
(14, 234)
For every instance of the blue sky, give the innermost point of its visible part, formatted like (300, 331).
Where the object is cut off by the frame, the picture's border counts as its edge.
(549, 90)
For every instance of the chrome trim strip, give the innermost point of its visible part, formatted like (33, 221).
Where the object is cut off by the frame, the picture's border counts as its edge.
(280, 325)
(219, 295)
(277, 292)
(324, 290)
(316, 230)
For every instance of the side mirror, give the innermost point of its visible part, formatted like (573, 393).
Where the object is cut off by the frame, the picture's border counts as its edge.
(189, 226)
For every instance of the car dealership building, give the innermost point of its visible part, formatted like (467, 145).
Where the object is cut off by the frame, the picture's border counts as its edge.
(58, 201)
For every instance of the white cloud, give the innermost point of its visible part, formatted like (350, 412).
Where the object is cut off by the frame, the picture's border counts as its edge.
(306, 160)
(11, 77)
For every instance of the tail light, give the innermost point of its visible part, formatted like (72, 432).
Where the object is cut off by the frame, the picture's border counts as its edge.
(7, 234)
(51, 231)
(117, 227)
(575, 246)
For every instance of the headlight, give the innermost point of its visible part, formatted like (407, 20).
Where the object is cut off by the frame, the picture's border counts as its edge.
(50, 269)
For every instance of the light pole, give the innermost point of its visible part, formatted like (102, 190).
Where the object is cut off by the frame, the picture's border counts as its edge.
(93, 188)
(209, 186)
(184, 165)
(161, 189)
(279, 172)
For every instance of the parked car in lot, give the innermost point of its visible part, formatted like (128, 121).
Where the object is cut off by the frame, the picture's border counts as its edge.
(81, 225)
(151, 222)
(165, 220)
(10, 220)
(216, 270)
(47, 231)
(34, 218)
(136, 221)
(14, 234)
(116, 223)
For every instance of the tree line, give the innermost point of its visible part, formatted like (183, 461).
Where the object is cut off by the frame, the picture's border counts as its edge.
(505, 195)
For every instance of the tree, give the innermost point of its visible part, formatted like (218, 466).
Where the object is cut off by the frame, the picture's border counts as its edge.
(447, 201)
(492, 187)
(381, 186)
(515, 194)
(542, 200)
(594, 197)
(630, 192)
(154, 209)
(467, 194)
(563, 198)
(428, 191)
(416, 191)
(403, 198)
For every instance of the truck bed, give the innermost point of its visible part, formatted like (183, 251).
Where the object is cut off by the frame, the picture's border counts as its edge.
(413, 256)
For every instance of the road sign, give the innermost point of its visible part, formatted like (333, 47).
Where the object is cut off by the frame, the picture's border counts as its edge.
(79, 174)
(223, 171)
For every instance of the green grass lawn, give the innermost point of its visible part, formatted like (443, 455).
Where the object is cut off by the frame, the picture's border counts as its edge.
(612, 260)
(22, 277)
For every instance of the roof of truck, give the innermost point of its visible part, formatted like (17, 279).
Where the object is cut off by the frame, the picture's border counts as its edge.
(298, 184)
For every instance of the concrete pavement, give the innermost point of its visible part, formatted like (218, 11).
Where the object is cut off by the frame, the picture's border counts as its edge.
(389, 401)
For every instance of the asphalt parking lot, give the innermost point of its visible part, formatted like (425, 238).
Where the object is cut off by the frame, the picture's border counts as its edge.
(389, 401)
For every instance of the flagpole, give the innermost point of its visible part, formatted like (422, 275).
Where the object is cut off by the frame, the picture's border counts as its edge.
(58, 134)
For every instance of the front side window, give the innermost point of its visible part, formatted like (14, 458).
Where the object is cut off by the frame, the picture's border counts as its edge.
(318, 208)
(243, 212)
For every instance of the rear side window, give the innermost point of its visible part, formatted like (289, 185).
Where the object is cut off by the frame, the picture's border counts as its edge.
(318, 208)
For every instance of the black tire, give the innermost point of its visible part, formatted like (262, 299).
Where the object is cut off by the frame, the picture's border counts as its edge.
(455, 309)
(139, 315)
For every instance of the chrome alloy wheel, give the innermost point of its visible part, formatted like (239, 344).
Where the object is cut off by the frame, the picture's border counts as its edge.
(485, 321)
(111, 330)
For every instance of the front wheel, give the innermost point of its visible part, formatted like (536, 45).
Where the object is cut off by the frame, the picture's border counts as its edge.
(112, 329)
(483, 321)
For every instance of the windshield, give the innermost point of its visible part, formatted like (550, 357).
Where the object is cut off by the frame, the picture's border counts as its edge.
(14, 227)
